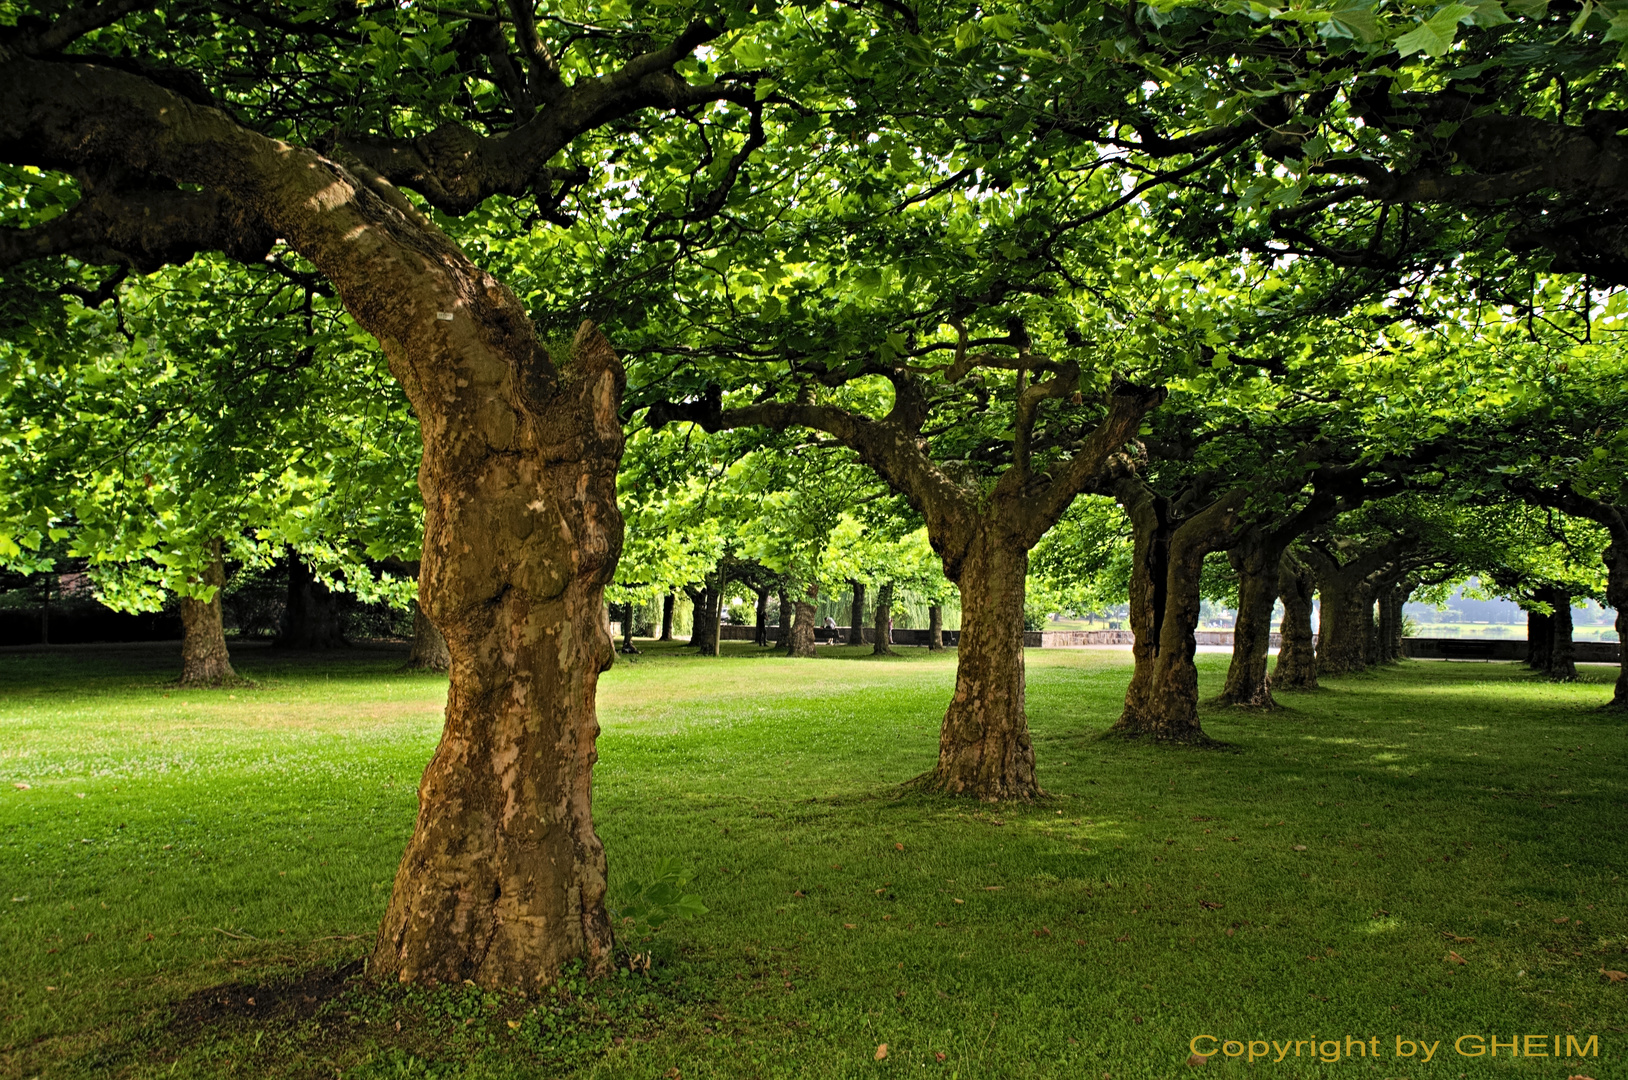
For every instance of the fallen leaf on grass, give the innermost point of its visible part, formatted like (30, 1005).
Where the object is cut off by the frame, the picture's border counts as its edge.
(1211, 904)
(1579, 1078)
(1043, 932)
(1614, 976)
(958, 900)
(799, 892)
(1196, 1060)
(1123, 937)
(1230, 931)
(900, 847)
(940, 1056)
(1454, 958)
(881, 1051)
(993, 888)
(1450, 936)
(20, 786)
(1562, 919)
(1300, 847)
(513, 1024)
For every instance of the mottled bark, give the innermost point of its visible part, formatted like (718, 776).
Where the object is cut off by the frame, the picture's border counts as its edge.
(1562, 653)
(761, 637)
(1297, 659)
(1257, 562)
(856, 614)
(984, 747)
(503, 881)
(429, 652)
(802, 627)
(311, 615)
(935, 628)
(1347, 637)
(782, 638)
(712, 643)
(882, 623)
(1167, 560)
(667, 616)
(204, 659)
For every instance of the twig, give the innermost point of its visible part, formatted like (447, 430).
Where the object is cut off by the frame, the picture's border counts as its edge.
(240, 937)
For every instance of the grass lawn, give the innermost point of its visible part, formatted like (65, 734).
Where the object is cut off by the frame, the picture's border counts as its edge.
(188, 875)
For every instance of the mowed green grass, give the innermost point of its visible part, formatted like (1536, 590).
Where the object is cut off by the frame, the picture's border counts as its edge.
(178, 852)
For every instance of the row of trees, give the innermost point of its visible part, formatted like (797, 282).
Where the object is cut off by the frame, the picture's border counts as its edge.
(1243, 270)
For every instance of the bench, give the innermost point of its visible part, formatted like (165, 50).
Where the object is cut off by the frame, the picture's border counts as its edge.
(1467, 650)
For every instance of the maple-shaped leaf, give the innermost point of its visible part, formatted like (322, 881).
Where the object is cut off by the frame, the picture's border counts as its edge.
(1614, 976)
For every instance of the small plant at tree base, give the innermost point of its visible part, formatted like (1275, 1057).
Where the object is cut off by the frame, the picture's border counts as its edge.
(662, 897)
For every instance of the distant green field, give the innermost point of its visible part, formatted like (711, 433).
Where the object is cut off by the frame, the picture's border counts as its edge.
(177, 854)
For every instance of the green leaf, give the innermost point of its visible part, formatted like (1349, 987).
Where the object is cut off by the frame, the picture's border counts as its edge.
(1434, 37)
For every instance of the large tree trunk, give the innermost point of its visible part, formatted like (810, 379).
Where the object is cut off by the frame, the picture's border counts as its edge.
(1616, 594)
(311, 616)
(1297, 658)
(1539, 637)
(710, 643)
(802, 627)
(45, 610)
(1562, 653)
(628, 647)
(703, 608)
(1347, 613)
(935, 628)
(1167, 561)
(503, 881)
(856, 615)
(667, 616)
(761, 637)
(882, 630)
(1257, 563)
(1391, 599)
(782, 638)
(204, 660)
(984, 747)
(429, 651)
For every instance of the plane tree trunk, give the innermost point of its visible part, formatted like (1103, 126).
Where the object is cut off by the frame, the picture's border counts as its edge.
(1616, 594)
(703, 614)
(204, 659)
(1297, 658)
(667, 616)
(1346, 591)
(982, 536)
(856, 614)
(761, 637)
(429, 652)
(1539, 637)
(1166, 562)
(882, 628)
(1257, 560)
(935, 628)
(1562, 652)
(782, 639)
(802, 626)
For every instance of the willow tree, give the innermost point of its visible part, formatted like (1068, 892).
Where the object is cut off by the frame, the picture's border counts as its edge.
(337, 137)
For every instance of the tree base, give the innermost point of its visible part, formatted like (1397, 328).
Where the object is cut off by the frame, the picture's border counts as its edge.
(1194, 736)
(932, 783)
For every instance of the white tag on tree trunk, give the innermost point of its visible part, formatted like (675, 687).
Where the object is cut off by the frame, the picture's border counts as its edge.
(444, 316)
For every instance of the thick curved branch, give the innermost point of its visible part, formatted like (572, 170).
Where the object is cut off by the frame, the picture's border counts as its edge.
(142, 229)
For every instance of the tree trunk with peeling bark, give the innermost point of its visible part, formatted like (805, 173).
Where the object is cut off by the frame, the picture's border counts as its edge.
(1257, 561)
(503, 881)
(1167, 560)
(1296, 668)
(703, 610)
(1391, 599)
(882, 623)
(1347, 637)
(984, 746)
(628, 648)
(667, 616)
(429, 652)
(802, 627)
(782, 639)
(935, 628)
(204, 658)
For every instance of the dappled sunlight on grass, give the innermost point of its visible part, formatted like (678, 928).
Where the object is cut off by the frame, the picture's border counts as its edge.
(1313, 876)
